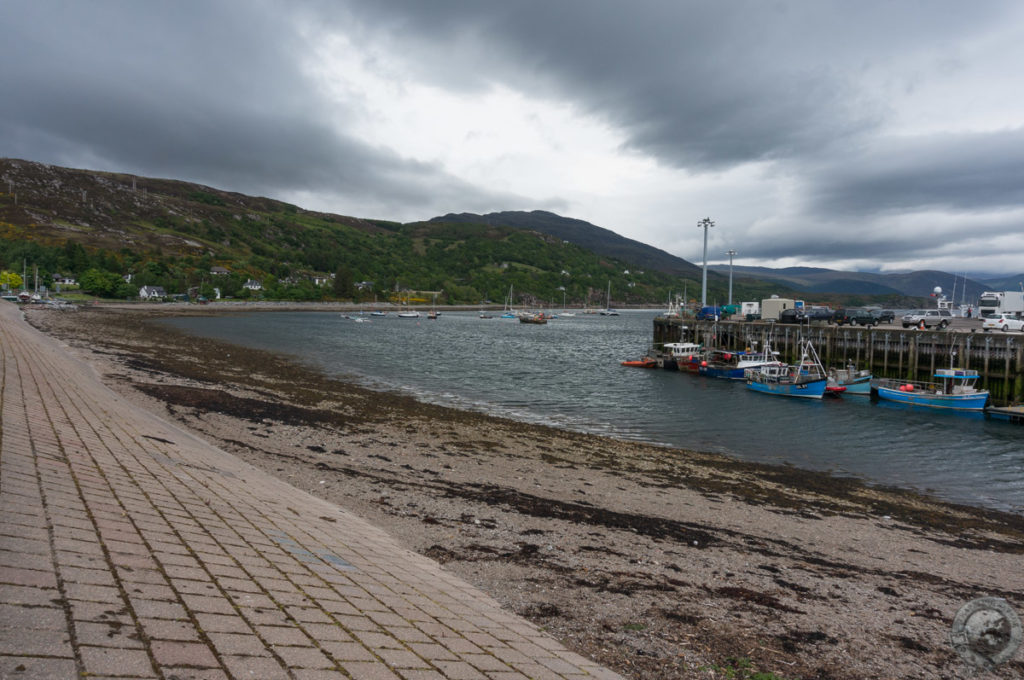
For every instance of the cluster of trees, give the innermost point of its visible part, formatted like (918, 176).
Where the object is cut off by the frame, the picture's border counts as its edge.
(468, 263)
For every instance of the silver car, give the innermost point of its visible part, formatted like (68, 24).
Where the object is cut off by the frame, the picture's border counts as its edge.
(929, 317)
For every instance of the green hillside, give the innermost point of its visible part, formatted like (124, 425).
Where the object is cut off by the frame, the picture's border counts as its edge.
(101, 228)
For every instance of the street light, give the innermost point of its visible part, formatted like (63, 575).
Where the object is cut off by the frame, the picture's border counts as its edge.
(704, 224)
(730, 253)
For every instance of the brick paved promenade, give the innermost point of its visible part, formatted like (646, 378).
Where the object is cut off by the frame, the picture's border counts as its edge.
(130, 548)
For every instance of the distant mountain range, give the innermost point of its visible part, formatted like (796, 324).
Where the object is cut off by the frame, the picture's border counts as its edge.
(916, 284)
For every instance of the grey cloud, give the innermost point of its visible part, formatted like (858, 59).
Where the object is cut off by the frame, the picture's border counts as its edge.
(210, 92)
(957, 172)
(695, 84)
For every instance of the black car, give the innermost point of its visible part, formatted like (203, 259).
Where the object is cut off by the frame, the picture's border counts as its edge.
(791, 316)
(819, 314)
(883, 315)
(854, 317)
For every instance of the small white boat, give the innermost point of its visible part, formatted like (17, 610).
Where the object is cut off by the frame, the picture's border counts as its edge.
(409, 315)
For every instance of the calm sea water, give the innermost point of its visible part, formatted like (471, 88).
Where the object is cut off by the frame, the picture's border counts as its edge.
(567, 374)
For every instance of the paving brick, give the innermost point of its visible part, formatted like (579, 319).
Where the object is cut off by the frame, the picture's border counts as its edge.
(264, 668)
(32, 617)
(223, 624)
(237, 643)
(303, 657)
(16, 667)
(347, 651)
(36, 642)
(369, 671)
(158, 609)
(112, 633)
(110, 661)
(177, 653)
(194, 673)
(318, 674)
(164, 629)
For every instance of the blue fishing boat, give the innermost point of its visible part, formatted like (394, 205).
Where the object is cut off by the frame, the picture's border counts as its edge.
(806, 379)
(953, 388)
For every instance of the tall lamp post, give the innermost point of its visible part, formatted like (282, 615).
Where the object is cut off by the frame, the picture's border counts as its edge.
(730, 253)
(705, 224)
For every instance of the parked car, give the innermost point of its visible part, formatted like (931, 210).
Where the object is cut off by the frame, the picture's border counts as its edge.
(819, 314)
(931, 317)
(883, 315)
(854, 317)
(791, 316)
(1002, 323)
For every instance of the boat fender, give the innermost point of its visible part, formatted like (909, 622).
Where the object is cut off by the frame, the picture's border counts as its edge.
(704, 364)
(727, 357)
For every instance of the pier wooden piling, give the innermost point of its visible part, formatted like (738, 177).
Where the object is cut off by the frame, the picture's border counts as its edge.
(998, 357)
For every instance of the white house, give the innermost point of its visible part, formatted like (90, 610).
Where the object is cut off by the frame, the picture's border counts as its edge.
(152, 293)
(252, 284)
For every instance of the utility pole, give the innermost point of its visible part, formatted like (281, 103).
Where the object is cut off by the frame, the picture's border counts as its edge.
(730, 253)
(705, 224)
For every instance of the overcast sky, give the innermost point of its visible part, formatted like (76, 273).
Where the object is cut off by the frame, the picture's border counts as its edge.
(852, 135)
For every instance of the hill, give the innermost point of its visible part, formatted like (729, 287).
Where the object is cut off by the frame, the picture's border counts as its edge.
(103, 228)
(586, 235)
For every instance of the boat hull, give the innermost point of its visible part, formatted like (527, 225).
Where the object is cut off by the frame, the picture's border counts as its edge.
(962, 402)
(813, 389)
(861, 386)
(727, 373)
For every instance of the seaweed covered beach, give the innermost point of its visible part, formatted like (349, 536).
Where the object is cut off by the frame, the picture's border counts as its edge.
(655, 565)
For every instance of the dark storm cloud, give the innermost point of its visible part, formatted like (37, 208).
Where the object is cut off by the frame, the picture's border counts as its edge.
(954, 172)
(206, 91)
(695, 84)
